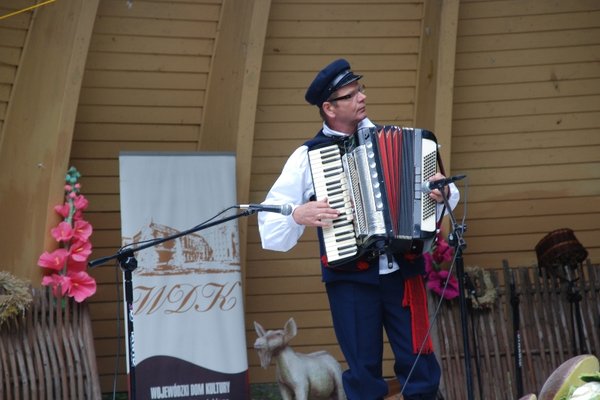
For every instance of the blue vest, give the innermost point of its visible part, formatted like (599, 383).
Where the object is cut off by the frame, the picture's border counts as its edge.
(350, 270)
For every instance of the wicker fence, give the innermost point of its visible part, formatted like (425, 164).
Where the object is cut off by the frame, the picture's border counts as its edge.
(549, 332)
(49, 352)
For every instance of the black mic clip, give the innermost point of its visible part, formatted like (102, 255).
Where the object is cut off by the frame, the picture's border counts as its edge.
(127, 260)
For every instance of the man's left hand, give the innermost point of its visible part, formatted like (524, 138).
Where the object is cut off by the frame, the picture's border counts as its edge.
(436, 194)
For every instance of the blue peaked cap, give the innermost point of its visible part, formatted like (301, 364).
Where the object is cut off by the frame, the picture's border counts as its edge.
(328, 80)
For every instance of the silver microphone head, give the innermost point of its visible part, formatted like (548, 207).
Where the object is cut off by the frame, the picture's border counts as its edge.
(425, 188)
(286, 209)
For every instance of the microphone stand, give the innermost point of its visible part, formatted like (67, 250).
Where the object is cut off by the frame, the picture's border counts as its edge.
(455, 239)
(574, 298)
(516, 316)
(128, 263)
(470, 299)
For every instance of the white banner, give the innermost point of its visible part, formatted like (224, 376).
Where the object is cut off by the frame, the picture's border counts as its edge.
(188, 316)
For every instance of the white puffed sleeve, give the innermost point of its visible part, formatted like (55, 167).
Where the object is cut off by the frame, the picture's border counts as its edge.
(294, 186)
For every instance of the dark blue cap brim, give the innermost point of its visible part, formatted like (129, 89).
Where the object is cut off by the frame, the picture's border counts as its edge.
(346, 80)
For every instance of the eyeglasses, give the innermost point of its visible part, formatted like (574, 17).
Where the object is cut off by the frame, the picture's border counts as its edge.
(360, 89)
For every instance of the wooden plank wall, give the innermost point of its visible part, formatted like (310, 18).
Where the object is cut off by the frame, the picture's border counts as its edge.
(525, 131)
(525, 118)
(381, 40)
(143, 90)
(38, 130)
(13, 33)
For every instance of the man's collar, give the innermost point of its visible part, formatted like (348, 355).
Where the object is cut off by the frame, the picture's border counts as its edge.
(365, 123)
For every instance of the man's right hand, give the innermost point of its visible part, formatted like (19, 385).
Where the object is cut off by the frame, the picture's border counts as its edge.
(315, 213)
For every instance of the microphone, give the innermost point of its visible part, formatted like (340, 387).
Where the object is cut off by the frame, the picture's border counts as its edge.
(99, 261)
(285, 209)
(429, 186)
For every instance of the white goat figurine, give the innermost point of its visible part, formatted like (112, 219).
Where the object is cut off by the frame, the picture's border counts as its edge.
(300, 376)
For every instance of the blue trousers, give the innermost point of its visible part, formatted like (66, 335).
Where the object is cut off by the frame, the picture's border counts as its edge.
(360, 312)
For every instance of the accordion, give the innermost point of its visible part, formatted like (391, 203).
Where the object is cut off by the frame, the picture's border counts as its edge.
(374, 178)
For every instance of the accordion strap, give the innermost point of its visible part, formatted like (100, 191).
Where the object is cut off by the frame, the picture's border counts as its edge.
(443, 172)
(441, 165)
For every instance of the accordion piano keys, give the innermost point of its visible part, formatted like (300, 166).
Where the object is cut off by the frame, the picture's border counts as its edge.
(329, 182)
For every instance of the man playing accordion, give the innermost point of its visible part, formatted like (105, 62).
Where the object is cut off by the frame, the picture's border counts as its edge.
(366, 294)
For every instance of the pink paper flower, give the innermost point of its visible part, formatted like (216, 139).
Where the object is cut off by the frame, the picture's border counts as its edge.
(443, 252)
(80, 251)
(436, 276)
(80, 285)
(77, 215)
(54, 260)
(82, 230)
(76, 266)
(73, 234)
(63, 210)
(57, 282)
(428, 262)
(80, 203)
(436, 281)
(63, 232)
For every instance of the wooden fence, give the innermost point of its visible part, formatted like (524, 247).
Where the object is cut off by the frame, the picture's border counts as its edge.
(549, 332)
(49, 352)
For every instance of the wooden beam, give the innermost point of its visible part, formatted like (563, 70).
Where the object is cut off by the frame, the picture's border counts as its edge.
(247, 112)
(232, 94)
(249, 93)
(434, 98)
(229, 79)
(446, 59)
(38, 129)
(427, 69)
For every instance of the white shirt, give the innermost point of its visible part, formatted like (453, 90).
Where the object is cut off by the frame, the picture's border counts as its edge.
(294, 186)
